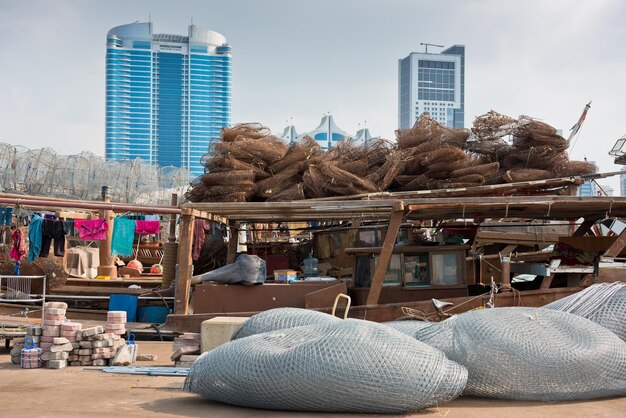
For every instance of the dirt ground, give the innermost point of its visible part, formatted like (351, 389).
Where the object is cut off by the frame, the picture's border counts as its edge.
(74, 392)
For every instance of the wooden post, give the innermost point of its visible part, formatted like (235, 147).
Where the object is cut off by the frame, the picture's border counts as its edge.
(172, 232)
(617, 246)
(385, 254)
(107, 262)
(584, 227)
(185, 262)
(233, 240)
(505, 279)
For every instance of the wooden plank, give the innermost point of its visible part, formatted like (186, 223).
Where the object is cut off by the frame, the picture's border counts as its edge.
(546, 282)
(616, 248)
(185, 263)
(324, 298)
(385, 254)
(232, 242)
(584, 227)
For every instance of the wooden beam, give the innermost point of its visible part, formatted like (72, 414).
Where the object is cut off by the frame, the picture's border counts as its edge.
(617, 246)
(546, 282)
(385, 254)
(584, 227)
(185, 262)
(232, 242)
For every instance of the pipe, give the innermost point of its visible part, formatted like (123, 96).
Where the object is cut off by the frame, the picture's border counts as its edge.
(89, 205)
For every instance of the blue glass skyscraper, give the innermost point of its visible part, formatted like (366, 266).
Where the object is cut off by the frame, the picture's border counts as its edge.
(167, 96)
(433, 83)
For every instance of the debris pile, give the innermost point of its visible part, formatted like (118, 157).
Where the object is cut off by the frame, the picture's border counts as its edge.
(186, 349)
(250, 164)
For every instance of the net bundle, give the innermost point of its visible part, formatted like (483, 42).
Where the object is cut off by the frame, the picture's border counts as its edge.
(341, 366)
(602, 303)
(499, 149)
(532, 354)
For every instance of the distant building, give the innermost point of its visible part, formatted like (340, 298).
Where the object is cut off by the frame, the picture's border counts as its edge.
(433, 83)
(327, 134)
(605, 188)
(363, 137)
(167, 96)
(289, 134)
(588, 188)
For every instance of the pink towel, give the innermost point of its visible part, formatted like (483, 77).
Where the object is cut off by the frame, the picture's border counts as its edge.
(146, 227)
(92, 229)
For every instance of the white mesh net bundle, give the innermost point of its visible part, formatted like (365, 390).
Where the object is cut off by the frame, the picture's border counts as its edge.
(409, 326)
(281, 318)
(603, 303)
(532, 354)
(341, 366)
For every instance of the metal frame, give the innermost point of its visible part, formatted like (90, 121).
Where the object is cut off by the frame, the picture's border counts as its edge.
(6, 280)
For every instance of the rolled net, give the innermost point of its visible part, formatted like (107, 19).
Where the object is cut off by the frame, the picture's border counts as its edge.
(281, 318)
(603, 303)
(532, 354)
(343, 366)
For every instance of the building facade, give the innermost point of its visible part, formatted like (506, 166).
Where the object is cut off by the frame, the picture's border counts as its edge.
(167, 96)
(433, 83)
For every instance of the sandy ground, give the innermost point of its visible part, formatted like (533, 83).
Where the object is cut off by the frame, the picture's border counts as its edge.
(74, 392)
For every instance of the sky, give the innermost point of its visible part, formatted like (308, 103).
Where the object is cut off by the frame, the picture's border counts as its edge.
(301, 59)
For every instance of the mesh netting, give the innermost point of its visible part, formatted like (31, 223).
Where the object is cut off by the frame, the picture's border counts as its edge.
(343, 366)
(409, 327)
(281, 318)
(603, 303)
(80, 176)
(532, 354)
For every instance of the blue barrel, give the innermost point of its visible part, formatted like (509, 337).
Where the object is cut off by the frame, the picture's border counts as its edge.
(152, 314)
(126, 303)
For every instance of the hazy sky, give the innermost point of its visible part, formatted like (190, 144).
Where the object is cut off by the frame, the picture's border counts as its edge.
(302, 59)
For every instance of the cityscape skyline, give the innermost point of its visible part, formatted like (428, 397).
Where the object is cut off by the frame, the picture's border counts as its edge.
(294, 59)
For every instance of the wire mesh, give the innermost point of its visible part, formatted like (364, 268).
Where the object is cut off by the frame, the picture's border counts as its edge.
(342, 366)
(602, 303)
(532, 354)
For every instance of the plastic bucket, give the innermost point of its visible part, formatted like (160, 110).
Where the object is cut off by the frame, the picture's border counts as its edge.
(126, 303)
(152, 314)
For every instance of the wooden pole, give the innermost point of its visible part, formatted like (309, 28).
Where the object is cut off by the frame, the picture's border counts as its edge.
(617, 246)
(584, 227)
(185, 262)
(385, 254)
(107, 262)
(232, 242)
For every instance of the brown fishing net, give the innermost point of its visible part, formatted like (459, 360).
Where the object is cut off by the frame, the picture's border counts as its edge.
(249, 163)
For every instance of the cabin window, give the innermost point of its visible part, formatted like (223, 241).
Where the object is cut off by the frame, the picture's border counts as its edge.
(416, 270)
(445, 269)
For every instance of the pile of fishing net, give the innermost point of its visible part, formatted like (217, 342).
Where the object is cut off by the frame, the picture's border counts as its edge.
(532, 354)
(250, 164)
(603, 303)
(330, 365)
(498, 149)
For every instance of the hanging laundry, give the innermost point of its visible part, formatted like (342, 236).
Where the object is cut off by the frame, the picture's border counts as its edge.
(92, 229)
(123, 236)
(34, 237)
(52, 229)
(152, 217)
(6, 216)
(147, 227)
(19, 249)
(200, 229)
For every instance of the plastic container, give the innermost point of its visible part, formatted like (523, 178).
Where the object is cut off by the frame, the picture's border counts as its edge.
(310, 266)
(284, 276)
(126, 303)
(152, 314)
